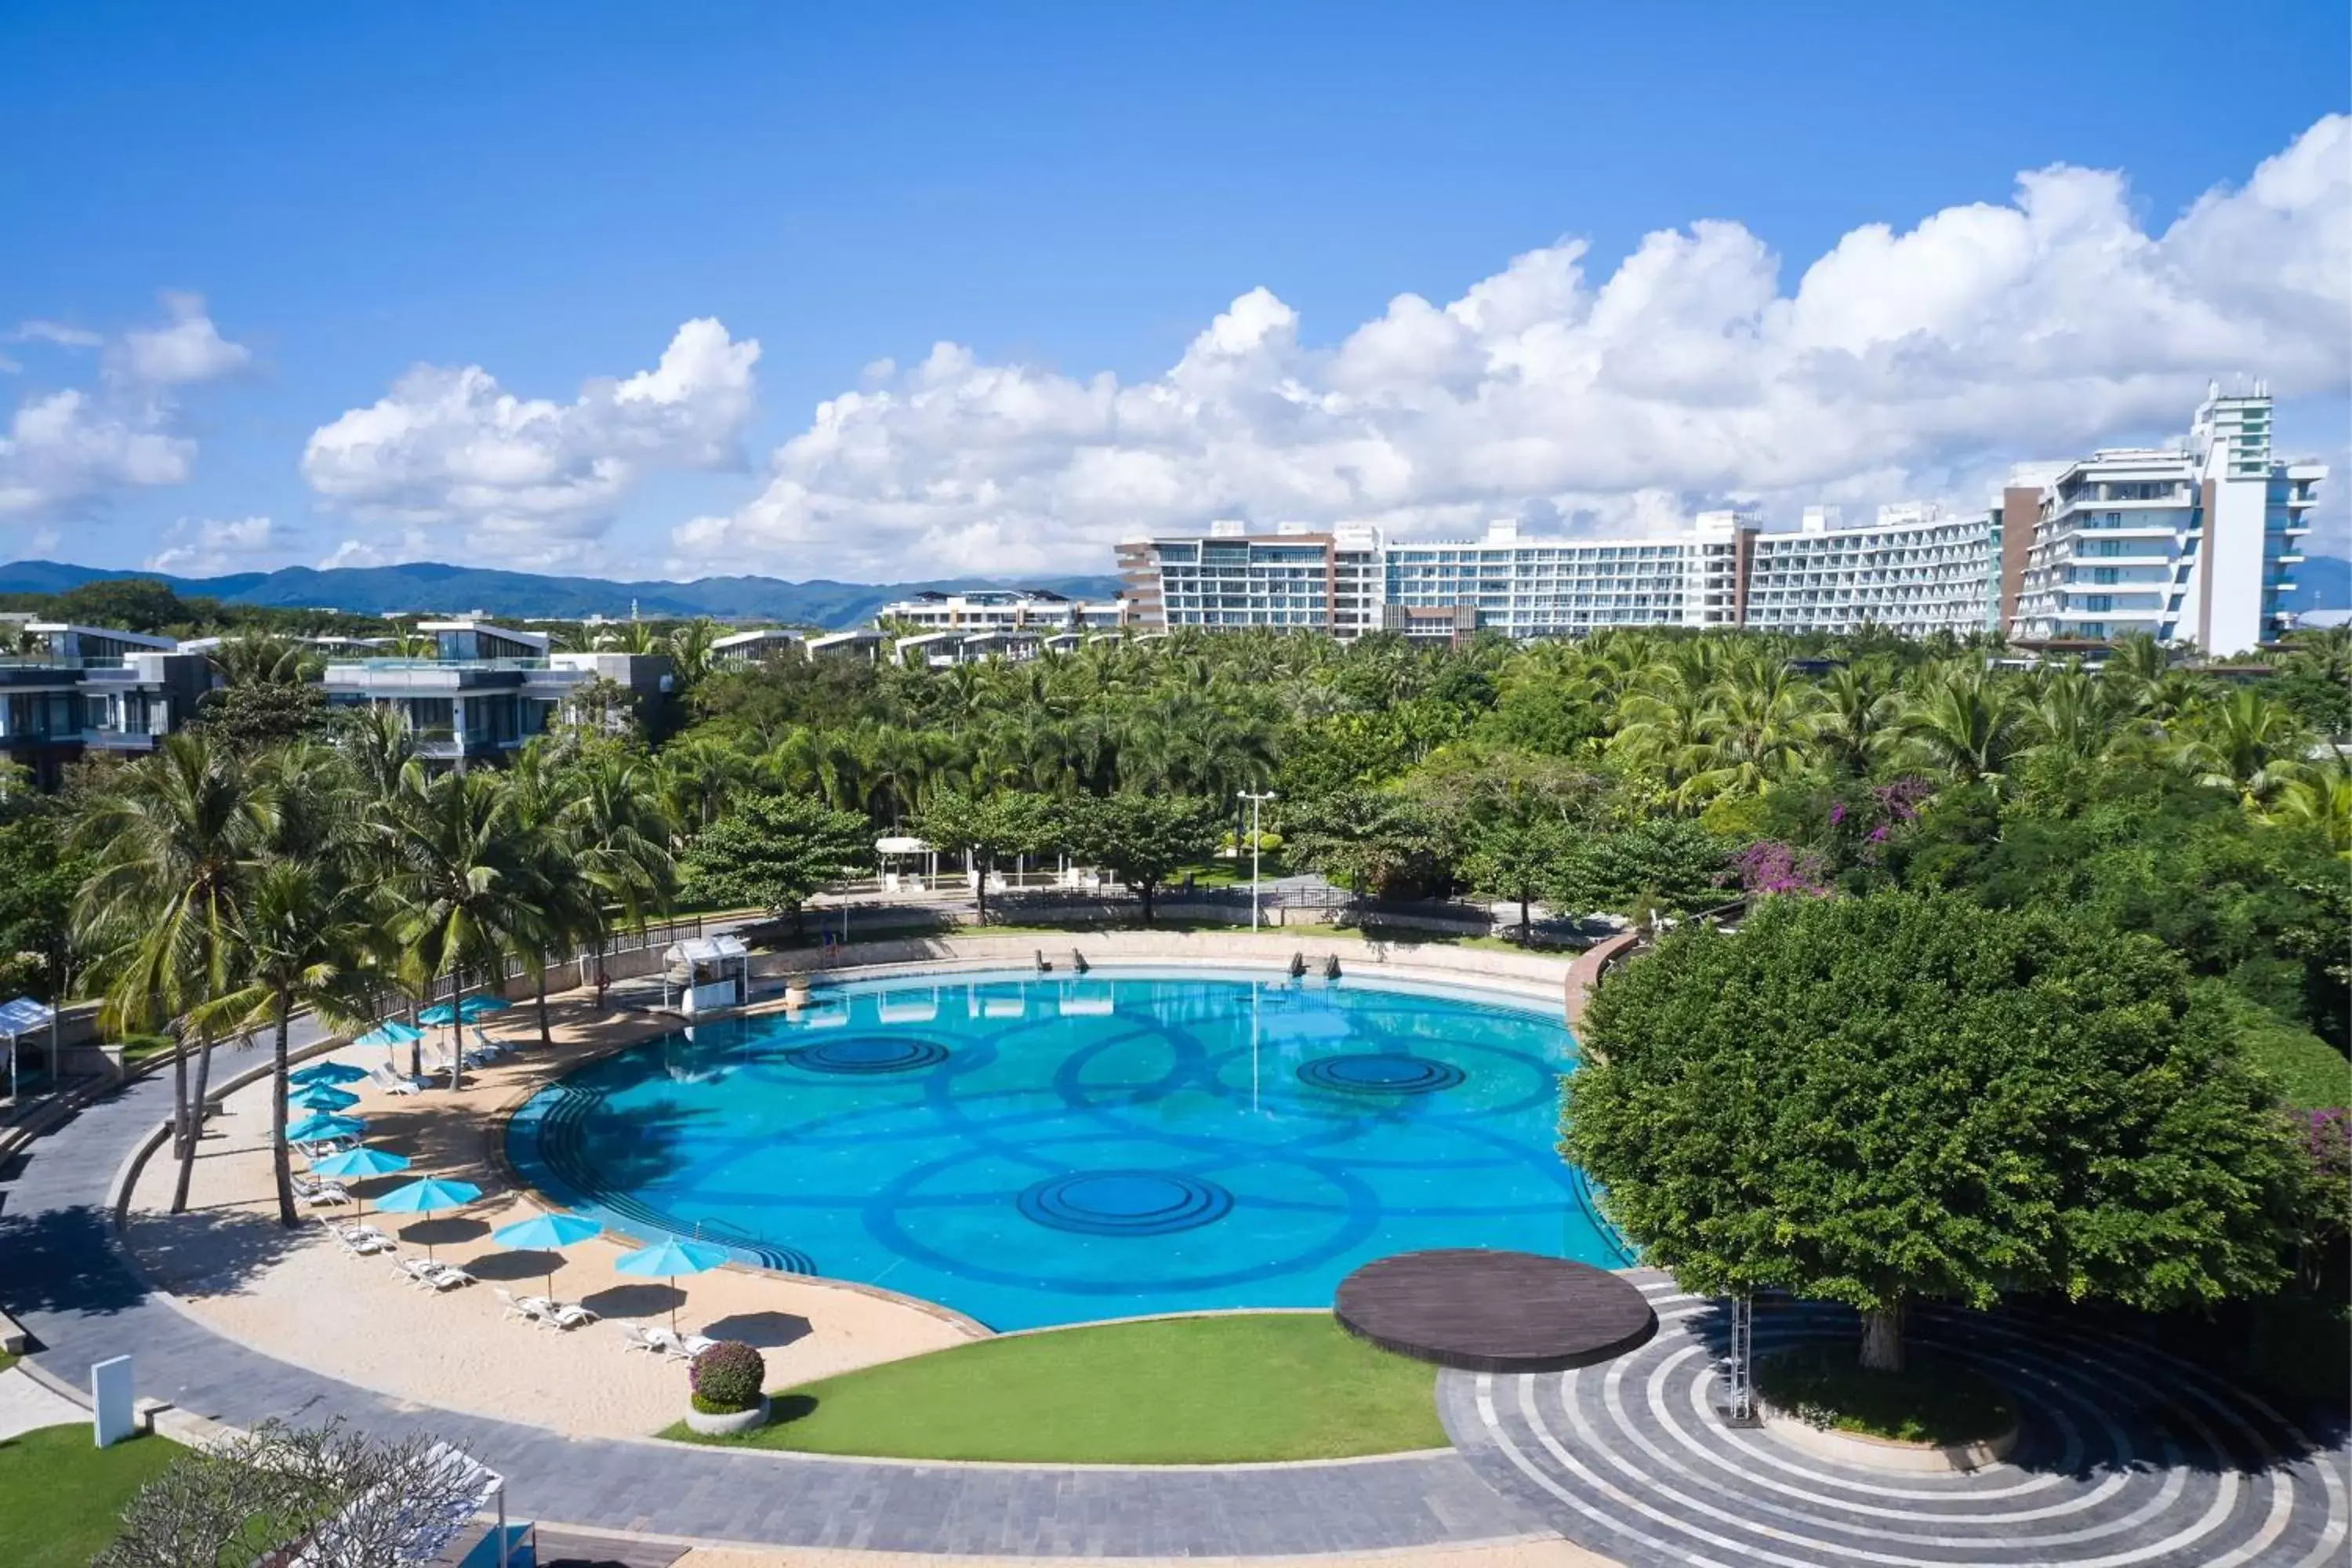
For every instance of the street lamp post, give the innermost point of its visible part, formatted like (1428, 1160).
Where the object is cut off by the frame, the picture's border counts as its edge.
(1255, 800)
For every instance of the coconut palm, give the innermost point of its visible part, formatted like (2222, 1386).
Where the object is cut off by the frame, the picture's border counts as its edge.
(2320, 799)
(615, 835)
(1964, 723)
(2245, 743)
(463, 872)
(303, 935)
(175, 839)
(699, 774)
(1855, 724)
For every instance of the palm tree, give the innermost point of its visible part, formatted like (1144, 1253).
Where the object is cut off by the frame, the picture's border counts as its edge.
(1965, 722)
(2078, 715)
(616, 836)
(174, 838)
(2246, 743)
(699, 774)
(1855, 724)
(689, 649)
(2321, 799)
(302, 934)
(462, 871)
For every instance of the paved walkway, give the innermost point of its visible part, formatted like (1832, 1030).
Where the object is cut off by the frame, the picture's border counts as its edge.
(63, 1277)
(2128, 1459)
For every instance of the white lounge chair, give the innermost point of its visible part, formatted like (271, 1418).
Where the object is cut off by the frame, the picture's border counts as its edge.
(359, 1240)
(382, 1076)
(320, 1195)
(566, 1315)
(637, 1337)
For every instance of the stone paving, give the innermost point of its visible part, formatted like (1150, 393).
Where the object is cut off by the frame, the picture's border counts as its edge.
(66, 1279)
(2128, 1457)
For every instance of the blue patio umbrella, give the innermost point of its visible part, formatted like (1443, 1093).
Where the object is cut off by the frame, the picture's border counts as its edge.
(437, 1015)
(390, 1033)
(547, 1233)
(668, 1258)
(481, 1002)
(354, 1162)
(327, 1072)
(322, 1097)
(431, 1194)
(319, 1128)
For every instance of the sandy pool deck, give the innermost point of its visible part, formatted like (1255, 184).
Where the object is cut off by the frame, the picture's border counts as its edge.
(1501, 1554)
(298, 1295)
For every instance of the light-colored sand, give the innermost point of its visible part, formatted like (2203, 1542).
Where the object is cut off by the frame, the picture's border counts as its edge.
(1511, 1555)
(300, 1296)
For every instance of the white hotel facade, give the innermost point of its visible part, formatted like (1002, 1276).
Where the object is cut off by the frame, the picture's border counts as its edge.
(2192, 544)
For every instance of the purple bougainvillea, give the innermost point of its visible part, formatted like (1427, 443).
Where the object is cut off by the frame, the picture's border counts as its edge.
(1900, 801)
(1770, 865)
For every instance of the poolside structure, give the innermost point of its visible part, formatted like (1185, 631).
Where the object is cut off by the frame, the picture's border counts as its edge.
(1478, 1309)
(703, 973)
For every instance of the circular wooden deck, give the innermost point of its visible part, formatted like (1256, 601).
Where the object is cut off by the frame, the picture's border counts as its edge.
(1483, 1311)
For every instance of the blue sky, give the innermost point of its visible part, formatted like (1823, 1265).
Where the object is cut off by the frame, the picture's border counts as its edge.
(549, 194)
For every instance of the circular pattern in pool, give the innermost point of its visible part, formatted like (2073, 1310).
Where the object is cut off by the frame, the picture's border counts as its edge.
(1030, 1150)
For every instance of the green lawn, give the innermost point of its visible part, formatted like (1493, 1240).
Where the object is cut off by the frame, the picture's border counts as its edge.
(1275, 1385)
(59, 1497)
(2314, 1073)
(1931, 1400)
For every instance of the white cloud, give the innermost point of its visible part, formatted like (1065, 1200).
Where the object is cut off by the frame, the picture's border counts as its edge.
(1912, 363)
(409, 544)
(63, 452)
(190, 349)
(452, 447)
(68, 448)
(210, 548)
(57, 333)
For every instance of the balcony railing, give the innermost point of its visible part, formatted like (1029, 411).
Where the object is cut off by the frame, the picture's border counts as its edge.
(396, 664)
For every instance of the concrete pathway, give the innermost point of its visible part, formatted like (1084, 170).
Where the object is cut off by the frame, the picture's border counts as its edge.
(2128, 1459)
(63, 1276)
(28, 1404)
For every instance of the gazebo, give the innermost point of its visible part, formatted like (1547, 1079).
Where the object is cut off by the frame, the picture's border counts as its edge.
(21, 1017)
(899, 847)
(718, 974)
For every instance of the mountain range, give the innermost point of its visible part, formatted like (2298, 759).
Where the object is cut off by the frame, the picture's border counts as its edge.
(2322, 582)
(430, 585)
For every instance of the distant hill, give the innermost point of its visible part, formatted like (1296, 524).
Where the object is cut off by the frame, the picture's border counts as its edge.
(2321, 583)
(431, 586)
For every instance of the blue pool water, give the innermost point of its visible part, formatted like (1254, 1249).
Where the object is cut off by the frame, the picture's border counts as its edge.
(1033, 1150)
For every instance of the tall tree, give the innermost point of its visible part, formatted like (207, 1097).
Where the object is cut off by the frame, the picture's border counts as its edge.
(1892, 1098)
(990, 827)
(775, 852)
(1143, 839)
(175, 839)
(462, 875)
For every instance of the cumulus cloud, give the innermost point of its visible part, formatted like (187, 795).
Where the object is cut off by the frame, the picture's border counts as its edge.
(63, 452)
(189, 349)
(544, 479)
(1903, 362)
(210, 548)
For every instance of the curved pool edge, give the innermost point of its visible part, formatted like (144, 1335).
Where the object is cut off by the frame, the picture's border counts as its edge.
(1514, 993)
(494, 1139)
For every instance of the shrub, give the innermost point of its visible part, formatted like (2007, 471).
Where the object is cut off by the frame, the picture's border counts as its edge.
(727, 1377)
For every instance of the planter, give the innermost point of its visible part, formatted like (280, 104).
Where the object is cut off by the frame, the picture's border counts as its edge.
(729, 1423)
(797, 991)
(1886, 1453)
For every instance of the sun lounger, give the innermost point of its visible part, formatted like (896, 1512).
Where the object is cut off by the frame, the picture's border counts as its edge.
(320, 1193)
(382, 1076)
(637, 1337)
(431, 1275)
(566, 1315)
(359, 1240)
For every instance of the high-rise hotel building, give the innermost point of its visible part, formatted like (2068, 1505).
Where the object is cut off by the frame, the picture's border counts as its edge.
(2192, 544)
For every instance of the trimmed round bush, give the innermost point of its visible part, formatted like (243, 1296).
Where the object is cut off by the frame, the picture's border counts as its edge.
(727, 1377)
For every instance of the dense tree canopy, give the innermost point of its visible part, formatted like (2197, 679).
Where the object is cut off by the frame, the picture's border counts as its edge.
(1896, 1098)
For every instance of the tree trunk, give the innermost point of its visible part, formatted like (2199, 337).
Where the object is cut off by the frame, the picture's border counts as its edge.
(1145, 889)
(179, 1133)
(280, 1163)
(602, 979)
(1882, 1338)
(980, 887)
(1526, 925)
(457, 1030)
(195, 1125)
(415, 1046)
(544, 1038)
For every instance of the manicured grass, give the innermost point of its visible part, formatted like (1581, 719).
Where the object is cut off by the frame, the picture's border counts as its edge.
(6, 1361)
(1273, 1386)
(2314, 1074)
(138, 1047)
(1931, 1400)
(59, 1497)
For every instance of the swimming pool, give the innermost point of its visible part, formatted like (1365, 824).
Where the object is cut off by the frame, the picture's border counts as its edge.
(1032, 1149)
